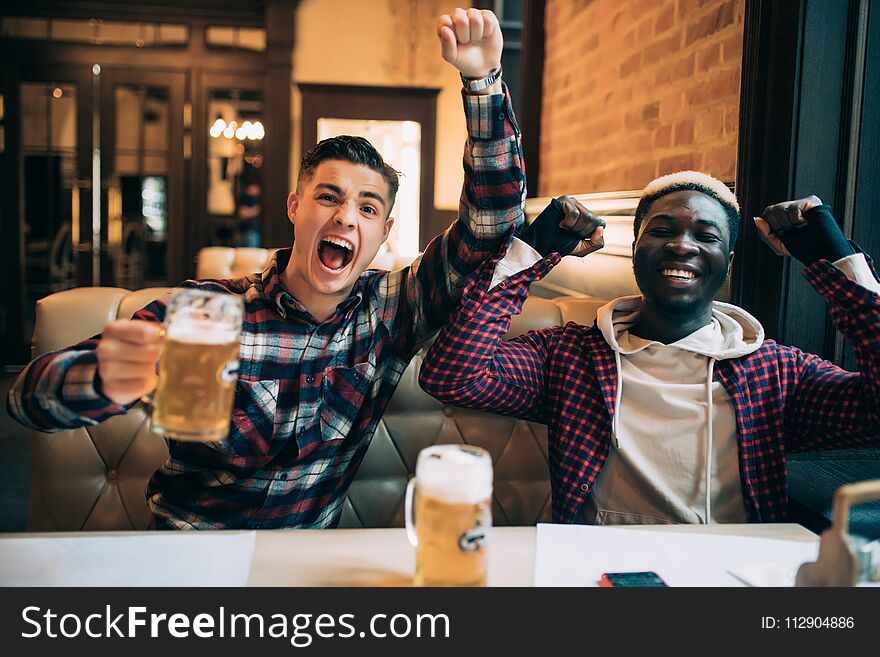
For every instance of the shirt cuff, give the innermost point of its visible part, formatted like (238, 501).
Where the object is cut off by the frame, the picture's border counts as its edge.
(857, 270)
(485, 115)
(79, 383)
(78, 388)
(519, 256)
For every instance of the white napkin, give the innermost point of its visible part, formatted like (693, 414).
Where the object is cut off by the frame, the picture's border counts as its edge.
(773, 573)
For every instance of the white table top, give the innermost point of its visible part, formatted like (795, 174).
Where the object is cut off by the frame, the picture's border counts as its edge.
(379, 557)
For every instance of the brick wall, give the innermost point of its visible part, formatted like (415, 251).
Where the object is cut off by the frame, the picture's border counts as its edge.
(634, 89)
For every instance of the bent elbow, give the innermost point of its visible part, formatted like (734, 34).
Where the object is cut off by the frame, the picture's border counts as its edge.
(431, 383)
(441, 385)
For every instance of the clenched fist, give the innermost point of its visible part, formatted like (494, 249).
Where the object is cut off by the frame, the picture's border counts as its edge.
(127, 356)
(804, 229)
(566, 227)
(471, 41)
(780, 218)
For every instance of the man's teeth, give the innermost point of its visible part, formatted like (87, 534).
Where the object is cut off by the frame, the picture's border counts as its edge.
(678, 273)
(338, 241)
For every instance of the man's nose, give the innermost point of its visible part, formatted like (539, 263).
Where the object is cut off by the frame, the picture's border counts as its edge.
(682, 245)
(346, 215)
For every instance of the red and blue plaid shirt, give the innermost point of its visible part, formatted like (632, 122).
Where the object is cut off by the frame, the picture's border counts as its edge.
(310, 394)
(565, 377)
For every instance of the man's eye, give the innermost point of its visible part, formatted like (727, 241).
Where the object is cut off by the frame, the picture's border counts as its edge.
(327, 197)
(369, 209)
(708, 237)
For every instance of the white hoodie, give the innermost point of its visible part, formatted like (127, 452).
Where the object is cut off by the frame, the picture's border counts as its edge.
(672, 423)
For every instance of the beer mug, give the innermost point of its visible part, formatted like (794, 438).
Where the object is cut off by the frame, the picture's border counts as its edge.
(198, 365)
(453, 512)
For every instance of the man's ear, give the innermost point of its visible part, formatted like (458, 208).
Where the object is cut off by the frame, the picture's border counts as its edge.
(389, 222)
(292, 205)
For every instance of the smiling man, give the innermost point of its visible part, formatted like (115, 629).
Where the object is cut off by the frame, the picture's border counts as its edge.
(672, 407)
(325, 340)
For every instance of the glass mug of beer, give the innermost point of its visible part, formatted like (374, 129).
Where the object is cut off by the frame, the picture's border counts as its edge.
(453, 512)
(198, 365)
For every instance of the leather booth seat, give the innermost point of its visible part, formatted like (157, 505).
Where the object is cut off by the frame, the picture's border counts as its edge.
(231, 262)
(94, 478)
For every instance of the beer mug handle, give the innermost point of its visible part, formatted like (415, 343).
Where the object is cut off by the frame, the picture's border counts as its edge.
(148, 399)
(408, 512)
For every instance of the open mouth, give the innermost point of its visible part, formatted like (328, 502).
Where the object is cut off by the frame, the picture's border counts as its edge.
(679, 274)
(335, 253)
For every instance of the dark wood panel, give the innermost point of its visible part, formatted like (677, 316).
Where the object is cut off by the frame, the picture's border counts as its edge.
(769, 92)
(382, 103)
(177, 244)
(280, 21)
(531, 90)
(12, 261)
(175, 58)
(221, 11)
(866, 207)
(820, 124)
(16, 345)
(795, 126)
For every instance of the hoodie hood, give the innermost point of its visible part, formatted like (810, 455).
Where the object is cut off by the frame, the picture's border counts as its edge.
(733, 332)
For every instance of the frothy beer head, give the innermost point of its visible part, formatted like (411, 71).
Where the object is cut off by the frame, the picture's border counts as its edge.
(458, 474)
(201, 331)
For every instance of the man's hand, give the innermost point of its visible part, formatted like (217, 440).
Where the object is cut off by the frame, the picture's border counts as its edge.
(565, 227)
(127, 355)
(780, 218)
(586, 225)
(471, 41)
(804, 229)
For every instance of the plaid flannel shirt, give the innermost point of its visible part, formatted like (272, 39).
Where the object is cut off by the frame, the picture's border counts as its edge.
(309, 394)
(785, 400)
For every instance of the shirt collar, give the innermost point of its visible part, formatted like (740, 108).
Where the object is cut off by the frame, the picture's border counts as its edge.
(286, 304)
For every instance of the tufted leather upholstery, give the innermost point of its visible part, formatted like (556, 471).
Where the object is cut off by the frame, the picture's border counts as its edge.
(94, 478)
(230, 262)
(91, 478)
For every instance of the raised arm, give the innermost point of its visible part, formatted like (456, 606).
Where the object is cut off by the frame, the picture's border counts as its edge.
(830, 407)
(469, 365)
(93, 380)
(421, 297)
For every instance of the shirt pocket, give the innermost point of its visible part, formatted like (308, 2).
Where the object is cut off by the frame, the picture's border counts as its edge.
(253, 419)
(344, 391)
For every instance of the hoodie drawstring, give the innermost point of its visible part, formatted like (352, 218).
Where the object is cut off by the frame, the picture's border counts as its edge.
(617, 397)
(709, 423)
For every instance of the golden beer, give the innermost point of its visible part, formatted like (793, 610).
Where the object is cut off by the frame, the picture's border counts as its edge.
(452, 542)
(452, 515)
(195, 390)
(198, 366)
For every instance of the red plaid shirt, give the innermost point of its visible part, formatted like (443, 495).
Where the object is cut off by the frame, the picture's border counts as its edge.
(565, 377)
(309, 394)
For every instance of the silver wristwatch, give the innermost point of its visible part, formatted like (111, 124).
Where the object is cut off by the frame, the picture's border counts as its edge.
(479, 84)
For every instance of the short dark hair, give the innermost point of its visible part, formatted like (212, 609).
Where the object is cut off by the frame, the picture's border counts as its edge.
(356, 150)
(730, 212)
